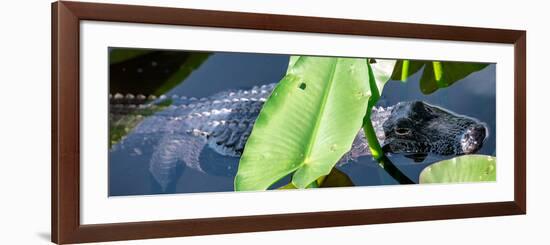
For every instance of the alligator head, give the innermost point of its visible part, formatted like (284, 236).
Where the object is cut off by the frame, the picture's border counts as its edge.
(416, 129)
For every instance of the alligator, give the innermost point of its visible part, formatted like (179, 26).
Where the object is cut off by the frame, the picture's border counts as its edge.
(224, 121)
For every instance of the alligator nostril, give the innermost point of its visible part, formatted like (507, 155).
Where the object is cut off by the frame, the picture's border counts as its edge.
(479, 132)
(473, 138)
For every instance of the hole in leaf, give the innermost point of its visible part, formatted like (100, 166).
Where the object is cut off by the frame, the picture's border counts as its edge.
(302, 86)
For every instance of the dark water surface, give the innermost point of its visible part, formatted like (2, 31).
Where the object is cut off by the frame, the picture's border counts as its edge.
(129, 174)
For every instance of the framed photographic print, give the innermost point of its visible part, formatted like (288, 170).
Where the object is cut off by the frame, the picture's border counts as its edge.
(176, 122)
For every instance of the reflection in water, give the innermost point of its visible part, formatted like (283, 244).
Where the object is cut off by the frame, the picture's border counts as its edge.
(129, 160)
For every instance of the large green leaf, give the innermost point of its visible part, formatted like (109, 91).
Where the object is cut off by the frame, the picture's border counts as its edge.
(307, 124)
(436, 74)
(468, 168)
(291, 61)
(117, 55)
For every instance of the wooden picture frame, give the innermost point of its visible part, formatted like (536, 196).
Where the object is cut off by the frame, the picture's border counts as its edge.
(66, 226)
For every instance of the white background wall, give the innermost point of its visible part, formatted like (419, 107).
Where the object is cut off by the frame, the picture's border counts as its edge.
(25, 121)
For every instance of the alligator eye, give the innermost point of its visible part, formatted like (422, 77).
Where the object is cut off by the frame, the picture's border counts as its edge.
(402, 131)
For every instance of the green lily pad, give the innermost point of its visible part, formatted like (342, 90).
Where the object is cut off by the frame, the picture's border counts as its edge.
(468, 168)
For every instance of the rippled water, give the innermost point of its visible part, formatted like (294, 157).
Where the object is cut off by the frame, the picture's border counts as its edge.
(129, 174)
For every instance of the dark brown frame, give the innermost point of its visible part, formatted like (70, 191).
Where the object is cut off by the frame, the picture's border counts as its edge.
(66, 227)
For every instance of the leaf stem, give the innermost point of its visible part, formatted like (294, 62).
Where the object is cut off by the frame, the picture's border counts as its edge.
(405, 70)
(370, 134)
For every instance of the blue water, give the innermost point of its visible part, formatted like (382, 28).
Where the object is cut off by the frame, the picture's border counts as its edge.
(473, 96)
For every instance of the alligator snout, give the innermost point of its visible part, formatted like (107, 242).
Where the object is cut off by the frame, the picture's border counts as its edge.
(473, 137)
(420, 128)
